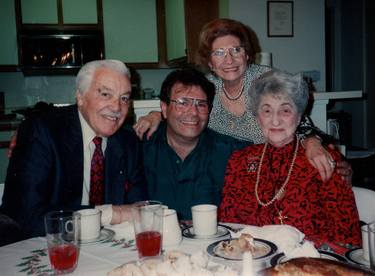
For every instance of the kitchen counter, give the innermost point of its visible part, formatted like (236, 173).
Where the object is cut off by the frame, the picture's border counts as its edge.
(143, 107)
(319, 110)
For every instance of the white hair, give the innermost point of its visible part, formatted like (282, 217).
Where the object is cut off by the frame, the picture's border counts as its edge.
(86, 73)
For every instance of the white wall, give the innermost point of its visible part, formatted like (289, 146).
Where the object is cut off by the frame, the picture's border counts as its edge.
(305, 51)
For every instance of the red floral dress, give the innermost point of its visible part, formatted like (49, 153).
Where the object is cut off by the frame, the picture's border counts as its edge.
(324, 211)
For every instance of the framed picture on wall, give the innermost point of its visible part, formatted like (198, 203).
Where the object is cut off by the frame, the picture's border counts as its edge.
(280, 18)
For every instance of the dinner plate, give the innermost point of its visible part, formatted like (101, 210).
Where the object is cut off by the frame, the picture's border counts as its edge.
(265, 249)
(105, 235)
(188, 233)
(356, 256)
(280, 258)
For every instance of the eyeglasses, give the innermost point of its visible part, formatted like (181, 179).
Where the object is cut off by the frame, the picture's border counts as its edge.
(233, 51)
(183, 105)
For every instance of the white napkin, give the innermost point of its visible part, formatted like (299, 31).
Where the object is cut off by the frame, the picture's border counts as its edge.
(123, 230)
(287, 238)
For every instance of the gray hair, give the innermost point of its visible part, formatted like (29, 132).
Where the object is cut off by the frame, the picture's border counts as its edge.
(86, 73)
(276, 82)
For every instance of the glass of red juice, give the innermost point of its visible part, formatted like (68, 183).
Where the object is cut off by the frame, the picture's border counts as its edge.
(148, 225)
(62, 233)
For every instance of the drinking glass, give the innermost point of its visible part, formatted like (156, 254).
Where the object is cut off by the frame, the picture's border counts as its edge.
(148, 227)
(62, 233)
(371, 244)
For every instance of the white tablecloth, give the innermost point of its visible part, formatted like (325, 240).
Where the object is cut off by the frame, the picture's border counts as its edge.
(31, 256)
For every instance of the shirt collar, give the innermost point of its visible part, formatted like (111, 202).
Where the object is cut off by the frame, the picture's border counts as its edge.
(87, 132)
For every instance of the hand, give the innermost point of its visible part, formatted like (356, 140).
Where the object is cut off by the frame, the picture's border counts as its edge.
(121, 213)
(319, 157)
(147, 124)
(345, 170)
(12, 144)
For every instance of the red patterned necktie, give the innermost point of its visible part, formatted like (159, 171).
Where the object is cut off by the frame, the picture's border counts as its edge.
(96, 196)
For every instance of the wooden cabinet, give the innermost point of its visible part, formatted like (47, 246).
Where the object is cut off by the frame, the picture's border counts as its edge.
(183, 21)
(61, 14)
(143, 33)
(8, 34)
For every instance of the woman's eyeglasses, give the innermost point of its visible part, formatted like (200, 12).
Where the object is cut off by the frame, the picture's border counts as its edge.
(183, 105)
(233, 51)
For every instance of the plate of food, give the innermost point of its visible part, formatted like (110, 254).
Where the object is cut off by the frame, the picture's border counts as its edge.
(174, 263)
(315, 266)
(281, 258)
(233, 249)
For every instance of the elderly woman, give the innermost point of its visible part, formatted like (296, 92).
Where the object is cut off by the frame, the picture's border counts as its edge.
(274, 183)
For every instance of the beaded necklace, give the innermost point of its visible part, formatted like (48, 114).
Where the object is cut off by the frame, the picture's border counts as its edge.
(239, 94)
(280, 192)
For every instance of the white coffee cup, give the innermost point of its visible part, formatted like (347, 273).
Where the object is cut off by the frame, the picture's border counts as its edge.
(171, 230)
(90, 224)
(365, 243)
(204, 219)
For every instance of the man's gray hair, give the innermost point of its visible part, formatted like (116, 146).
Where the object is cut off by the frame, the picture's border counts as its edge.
(86, 73)
(276, 82)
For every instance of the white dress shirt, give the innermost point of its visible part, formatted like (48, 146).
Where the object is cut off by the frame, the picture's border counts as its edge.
(88, 150)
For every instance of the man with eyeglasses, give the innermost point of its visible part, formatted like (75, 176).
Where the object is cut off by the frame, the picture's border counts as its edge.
(185, 161)
(78, 156)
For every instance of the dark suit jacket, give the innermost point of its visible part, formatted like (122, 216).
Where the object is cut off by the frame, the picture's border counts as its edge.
(46, 169)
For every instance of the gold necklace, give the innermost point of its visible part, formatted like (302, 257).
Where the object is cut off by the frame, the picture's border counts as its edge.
(280, 192)
(239, 94)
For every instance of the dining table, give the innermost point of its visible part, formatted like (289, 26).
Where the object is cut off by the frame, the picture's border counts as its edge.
(30, 256)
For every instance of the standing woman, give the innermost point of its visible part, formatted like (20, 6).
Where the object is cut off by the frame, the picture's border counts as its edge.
(226, 49)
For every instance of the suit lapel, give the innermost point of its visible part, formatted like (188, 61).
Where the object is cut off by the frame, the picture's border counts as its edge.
(114, 170)
(71, 140)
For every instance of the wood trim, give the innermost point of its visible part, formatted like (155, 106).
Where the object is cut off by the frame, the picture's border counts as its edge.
(17, 7)
(4, 144)
(197, 14)
(99, 11)
(9, 68)
(162, 40)
(147, 65)
(60, 13)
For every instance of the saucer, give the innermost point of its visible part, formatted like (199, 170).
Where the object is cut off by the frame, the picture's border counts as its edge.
(356, 256)
(222, 232)
(105, 234)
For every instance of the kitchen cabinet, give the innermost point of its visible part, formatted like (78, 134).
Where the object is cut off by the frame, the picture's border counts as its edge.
(131, 32)
(8, 33)
(143, 33)
(60, 13)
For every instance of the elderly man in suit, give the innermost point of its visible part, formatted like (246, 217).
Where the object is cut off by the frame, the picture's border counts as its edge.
(78, 156)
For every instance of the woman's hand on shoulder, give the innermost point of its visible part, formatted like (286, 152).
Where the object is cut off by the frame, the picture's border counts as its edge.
(319, 157)
(147, 124)
(344, 169)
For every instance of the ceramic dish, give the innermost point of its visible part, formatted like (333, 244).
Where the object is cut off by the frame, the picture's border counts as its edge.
(105, 235)
(280, 258)
(356, 256)
(265, 249)
(222, 232)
